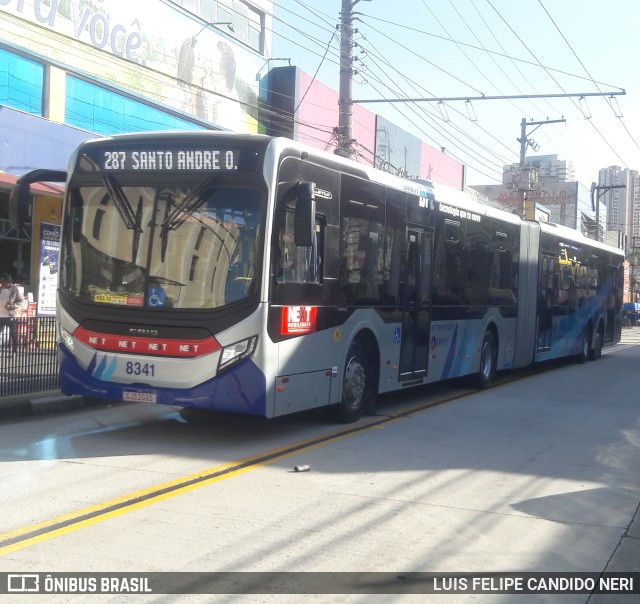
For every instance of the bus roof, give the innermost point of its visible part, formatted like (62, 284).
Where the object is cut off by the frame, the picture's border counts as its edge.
(420, 187)
(576, 236)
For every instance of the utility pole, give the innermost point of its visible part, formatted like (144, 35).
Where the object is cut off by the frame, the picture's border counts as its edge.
(524, 180)
(344, 130)
(345, 101)
(595, 202)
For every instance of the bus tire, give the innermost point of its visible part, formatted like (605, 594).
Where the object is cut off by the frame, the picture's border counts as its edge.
(596, 352)
(356, 385)
(488, 360)
(585, 346)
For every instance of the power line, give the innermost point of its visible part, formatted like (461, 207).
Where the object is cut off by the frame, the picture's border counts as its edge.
(435, 121)
(554, 79)
(590, 76)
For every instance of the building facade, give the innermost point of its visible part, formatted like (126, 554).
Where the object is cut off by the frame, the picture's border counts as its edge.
(553, 202)
(620, 190)
(548, 168)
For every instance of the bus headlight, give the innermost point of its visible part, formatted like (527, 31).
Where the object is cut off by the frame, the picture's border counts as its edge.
(67, 339)
(237, 351)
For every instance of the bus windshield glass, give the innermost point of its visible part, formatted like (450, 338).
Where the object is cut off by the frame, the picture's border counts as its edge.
(188, 243)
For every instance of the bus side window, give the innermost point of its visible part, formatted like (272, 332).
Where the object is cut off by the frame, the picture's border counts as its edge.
(362, 242)
(363, 260)
(297, 264)
(449, 277)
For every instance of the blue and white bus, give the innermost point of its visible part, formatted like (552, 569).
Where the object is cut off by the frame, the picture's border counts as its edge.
(253, 274)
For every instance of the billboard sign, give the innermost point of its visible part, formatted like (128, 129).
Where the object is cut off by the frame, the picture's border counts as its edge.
(49, 264)
(558, 200)
(150, 48)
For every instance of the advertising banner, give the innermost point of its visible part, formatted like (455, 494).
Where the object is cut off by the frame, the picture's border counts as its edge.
(49, 264)
(153, 49)
(558, 201)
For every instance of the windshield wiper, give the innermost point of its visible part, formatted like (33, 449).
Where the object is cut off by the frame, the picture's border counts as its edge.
(188, 205)
(121, 202)
(137, 231)
(173, 219)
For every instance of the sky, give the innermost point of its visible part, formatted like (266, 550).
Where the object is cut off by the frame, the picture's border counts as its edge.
(473, 48)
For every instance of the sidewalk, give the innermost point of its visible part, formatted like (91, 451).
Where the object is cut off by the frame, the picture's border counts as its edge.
(625, 559)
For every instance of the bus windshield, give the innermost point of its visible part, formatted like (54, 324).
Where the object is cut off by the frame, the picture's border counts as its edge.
(189, 245)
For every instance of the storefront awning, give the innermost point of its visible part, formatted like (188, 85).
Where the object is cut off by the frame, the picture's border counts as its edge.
(8, 181)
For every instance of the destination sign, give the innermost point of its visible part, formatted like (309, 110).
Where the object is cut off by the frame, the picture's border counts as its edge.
(126, 159)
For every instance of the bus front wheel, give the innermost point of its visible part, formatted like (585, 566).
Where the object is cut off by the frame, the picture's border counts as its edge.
(488, 361)
(356, 385)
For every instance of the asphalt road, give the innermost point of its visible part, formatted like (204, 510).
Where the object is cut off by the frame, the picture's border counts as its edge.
(538, 474)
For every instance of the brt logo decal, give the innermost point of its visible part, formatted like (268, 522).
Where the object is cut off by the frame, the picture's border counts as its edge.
(438, 342)
(101, 367)
(298, 319)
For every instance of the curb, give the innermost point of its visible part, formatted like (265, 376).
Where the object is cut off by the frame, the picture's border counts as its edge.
(42, 403)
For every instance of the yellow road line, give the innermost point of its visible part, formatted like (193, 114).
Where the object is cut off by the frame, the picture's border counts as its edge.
(67, 523)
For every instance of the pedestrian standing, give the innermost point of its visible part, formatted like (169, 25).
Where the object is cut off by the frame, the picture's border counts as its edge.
(10, 300)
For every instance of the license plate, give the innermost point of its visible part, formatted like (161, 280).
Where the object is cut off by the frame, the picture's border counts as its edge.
(139, 397)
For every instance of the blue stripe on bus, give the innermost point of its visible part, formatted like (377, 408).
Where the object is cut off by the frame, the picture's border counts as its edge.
(451, 355)
(240, 389)
(460, 357)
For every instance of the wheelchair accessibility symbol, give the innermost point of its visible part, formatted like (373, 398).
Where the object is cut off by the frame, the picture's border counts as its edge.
(396, 335)
(155, 296)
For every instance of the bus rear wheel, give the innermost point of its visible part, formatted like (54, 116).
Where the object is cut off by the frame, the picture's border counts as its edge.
(356, 385)
(488, 360)
(596, 352)
(585, 350)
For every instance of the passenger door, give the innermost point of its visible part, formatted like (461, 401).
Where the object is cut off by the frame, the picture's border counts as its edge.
(416, 304)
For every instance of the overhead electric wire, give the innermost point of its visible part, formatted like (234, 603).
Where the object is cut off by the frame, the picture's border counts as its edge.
(318, 15)
(492, 57)
(423, 89)
(515, 65)
(277, 115)
(432, 116)
(557, 83)
(329, 21)
(419, 88)
(326, 57)
(301, 32)
(460, 47)
(503, 54)
(313, 79)
(587, 72)
(435, 120)
(325, 52)
(514, 60)
(489, 54)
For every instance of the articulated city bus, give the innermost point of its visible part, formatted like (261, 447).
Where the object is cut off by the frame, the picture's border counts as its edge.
(252, 274)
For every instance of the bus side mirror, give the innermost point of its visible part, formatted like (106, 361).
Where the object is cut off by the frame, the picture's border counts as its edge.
(305, 218)
(20, 198)
(19, 205)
